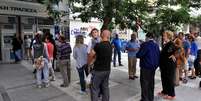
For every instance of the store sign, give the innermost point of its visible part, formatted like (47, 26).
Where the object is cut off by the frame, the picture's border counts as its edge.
(22, 8)
(18, 9)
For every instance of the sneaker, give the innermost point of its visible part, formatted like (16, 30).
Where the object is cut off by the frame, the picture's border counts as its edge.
(83, 92)
(57, 70)
(52, 79)
(121, 65)
(46, 85)
(131, 78)
(135, 76)
(39, 86)
(63, 85)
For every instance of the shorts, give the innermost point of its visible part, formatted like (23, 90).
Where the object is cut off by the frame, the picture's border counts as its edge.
(191, 60)
(190, 64)
(184, 66)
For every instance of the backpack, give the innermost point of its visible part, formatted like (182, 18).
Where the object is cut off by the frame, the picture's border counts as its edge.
(38, 49)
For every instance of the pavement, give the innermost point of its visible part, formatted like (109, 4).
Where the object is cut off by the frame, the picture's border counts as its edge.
(17, 83)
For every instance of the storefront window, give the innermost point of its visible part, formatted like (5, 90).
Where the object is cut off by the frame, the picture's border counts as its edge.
(45, 21)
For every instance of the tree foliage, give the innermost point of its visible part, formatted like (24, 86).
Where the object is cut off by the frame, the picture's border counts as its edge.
(119, 12)
(132, 14)
(56, 15)
(171, 14)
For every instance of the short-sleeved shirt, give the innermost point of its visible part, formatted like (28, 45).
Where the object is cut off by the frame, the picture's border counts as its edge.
(186, 46)
(92, 43)
(194, 49)
(133, 44)
(103, 52)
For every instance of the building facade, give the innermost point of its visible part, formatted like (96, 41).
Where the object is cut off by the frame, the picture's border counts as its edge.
(23, 18)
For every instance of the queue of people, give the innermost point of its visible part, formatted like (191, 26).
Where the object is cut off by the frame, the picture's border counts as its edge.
(180, 56)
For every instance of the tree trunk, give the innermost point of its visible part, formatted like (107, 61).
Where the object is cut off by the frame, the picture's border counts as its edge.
(106, 22)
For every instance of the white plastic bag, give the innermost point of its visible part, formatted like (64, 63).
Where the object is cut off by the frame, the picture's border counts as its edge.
(88, 79)
(191, 58)
(50, 64)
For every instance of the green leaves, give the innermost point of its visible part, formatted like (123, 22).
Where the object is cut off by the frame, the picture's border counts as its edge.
(124, 12)
(155, 17)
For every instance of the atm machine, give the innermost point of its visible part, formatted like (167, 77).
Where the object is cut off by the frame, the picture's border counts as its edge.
(7, 55)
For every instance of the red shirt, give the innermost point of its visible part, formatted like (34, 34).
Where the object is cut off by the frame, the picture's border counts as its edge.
(50, 49)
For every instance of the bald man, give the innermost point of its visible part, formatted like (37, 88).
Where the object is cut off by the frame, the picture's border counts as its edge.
(102, 67)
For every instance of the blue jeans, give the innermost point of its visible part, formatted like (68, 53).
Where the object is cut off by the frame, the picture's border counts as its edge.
(18, 55)
(43, 71)
(81, 76)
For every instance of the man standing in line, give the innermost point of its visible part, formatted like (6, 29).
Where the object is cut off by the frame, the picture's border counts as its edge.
(95, 38)
(17, 48)
(116, 42)
(64, 51)
(102, 67)
(132, 47)
(149, 55)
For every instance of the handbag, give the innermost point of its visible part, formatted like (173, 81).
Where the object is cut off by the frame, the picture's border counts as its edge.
(39, 63)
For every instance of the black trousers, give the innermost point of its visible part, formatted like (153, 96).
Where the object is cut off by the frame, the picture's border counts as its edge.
(147, 84)
(168, 78)
(197, 65)
(117, 52)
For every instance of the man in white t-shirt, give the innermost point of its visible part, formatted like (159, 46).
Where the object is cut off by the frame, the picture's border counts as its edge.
(95, 38)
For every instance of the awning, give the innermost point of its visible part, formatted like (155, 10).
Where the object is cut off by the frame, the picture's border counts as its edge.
(10, 7)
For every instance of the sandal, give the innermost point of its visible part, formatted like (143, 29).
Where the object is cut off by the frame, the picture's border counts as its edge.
(192, 77)
(169, 97)
(185, 81)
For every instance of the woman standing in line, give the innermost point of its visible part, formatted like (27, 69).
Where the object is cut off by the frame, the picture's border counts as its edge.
(168, 66)
(80, 55)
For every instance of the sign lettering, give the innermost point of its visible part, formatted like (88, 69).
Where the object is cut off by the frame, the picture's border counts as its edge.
(29, 10)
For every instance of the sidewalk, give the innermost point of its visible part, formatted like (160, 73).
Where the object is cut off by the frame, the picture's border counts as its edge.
(17, 84)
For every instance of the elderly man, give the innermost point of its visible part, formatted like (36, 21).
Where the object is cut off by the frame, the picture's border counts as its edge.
(132, 47)
(149, 55)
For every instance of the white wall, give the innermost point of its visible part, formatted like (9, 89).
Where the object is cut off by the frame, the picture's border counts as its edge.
(79, 28)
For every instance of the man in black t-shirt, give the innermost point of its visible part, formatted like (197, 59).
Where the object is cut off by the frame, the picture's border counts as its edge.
(102, 67)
